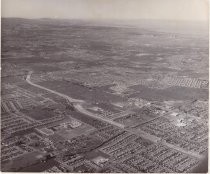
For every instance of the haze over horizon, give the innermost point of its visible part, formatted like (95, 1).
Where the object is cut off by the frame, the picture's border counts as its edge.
(182, 10)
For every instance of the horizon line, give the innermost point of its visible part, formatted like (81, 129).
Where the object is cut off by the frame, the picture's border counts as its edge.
(106, 19)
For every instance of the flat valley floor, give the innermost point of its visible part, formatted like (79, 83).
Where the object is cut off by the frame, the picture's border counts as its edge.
(82, 96)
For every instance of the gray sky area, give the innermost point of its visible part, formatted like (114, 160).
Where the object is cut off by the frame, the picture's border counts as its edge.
(107, 9)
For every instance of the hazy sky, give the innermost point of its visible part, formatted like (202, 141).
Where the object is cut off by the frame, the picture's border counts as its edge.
(107, 9)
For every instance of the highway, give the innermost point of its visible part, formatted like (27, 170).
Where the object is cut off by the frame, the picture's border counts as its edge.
(76, 103)
(72, 100)
(78, 106)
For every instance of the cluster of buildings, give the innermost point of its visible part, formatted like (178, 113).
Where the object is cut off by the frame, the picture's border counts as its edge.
(192, 136)
(127, 150)
(185, 82)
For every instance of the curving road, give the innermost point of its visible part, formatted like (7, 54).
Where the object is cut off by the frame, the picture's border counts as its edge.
(76, 103)
(78, 106)
(72, 100)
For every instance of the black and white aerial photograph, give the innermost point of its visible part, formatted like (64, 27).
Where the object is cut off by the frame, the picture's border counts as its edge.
(104, 86)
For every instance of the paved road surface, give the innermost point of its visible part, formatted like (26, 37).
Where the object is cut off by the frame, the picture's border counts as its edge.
(76, 103)
(78, 106)
(72, 100)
